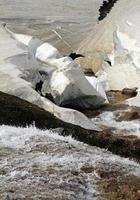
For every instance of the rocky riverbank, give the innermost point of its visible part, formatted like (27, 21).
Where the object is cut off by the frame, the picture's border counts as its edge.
(17, 112)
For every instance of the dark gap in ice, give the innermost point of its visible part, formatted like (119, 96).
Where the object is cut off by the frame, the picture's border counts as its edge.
(38, 86)
(106, 8)
(75, 55)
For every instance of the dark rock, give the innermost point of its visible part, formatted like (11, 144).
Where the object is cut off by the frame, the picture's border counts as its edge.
(17, 112)
(130, 92)
(119, 96)
(38, 86)
(120, 144)
(127, 115)
(90, 73)
(106, 8)
(87, 169)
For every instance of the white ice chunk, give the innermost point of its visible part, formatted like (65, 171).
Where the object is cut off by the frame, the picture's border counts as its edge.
(11, 82)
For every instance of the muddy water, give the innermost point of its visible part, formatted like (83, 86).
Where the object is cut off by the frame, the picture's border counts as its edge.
(73, 20)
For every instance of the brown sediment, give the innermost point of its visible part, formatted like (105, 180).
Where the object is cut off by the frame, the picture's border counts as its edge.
(132, 114)
(120, 96)
(119, 186)
(116, 102)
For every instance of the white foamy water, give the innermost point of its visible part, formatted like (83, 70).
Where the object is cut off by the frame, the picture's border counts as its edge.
(108, 119)
(44, 165)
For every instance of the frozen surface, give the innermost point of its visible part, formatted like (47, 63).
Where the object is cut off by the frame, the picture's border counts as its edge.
(67, 83)
(69, 87)
(71, 19)
(44, 165)
(18, 75)
(98, 83)
(125, 62)
(117, 39)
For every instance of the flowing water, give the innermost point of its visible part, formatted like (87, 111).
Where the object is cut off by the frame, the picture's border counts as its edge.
(37, 164)
(107, 119)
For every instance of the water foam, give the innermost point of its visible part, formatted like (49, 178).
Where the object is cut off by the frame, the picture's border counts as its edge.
(43, 164)
(108, 119)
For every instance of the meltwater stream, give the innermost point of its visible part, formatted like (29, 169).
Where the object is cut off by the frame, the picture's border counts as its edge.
(107, 119)
(37, 164)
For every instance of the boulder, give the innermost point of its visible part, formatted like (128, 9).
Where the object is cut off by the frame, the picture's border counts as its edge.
(18, 78)
(18, 112)
(132, 92)
(69, 87)
(65, 82)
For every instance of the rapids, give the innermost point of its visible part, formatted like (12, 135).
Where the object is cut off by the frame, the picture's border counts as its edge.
(36, 164)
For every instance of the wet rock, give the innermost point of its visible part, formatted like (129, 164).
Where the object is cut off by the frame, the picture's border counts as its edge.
(135, 101)
(18, 112)
(127, 115)
(117, 96)
(121, 187)
(38, 86)
(112, 137)
(75, 173)
(89, 72)
(116, 102)
(130, 92)
(87, 169)
(117, 143)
